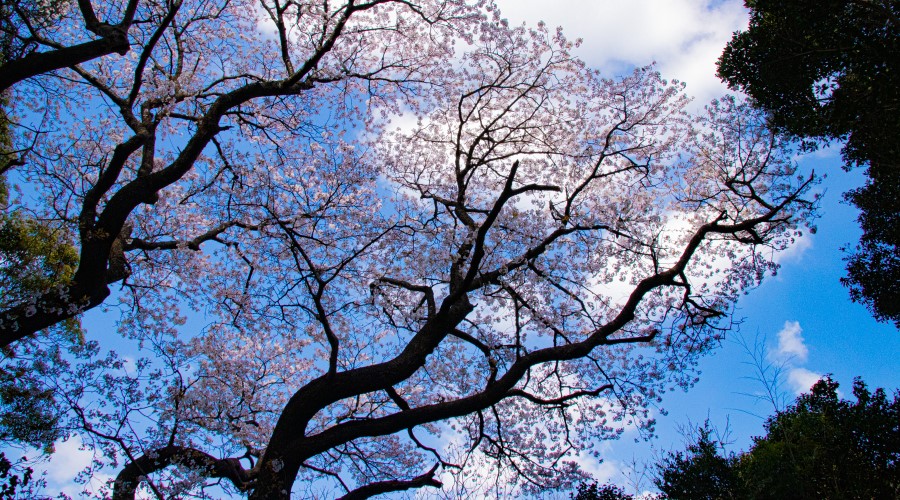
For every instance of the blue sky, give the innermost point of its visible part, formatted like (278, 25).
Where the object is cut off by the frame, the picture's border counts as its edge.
(802, 309)
(803, 316)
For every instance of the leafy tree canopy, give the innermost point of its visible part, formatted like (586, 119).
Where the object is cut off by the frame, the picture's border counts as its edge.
(702, 472)
(828, 70)
(821, 447)
(593, 491)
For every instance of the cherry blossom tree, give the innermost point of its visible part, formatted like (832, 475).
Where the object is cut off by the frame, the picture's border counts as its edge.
(363, 245)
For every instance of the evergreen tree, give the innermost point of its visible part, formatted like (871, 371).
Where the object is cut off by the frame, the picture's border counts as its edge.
(821, 447)
(827, 70)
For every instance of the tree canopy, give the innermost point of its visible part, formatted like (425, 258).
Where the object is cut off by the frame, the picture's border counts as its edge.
(828, 70)
(369, 246)
(593, 491)
(821, 447)
(702, 472)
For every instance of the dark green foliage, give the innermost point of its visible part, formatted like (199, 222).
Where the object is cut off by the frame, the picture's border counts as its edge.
(594, 492)
(824, 68)
(29, 412)
(33, 254)
(700, 473)
(874, 267)
(822, 447)
(33, 257)
(828, 69)
(825, 447)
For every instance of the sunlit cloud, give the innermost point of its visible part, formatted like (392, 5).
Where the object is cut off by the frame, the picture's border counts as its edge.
(791, 345)
(790, 353)
(801, 379)
(684, 37)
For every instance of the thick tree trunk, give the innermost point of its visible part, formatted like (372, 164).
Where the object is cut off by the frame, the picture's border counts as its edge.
(276, 475)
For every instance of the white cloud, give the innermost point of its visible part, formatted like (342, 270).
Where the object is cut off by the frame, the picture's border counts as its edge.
(68, 460)
(66, 463)
(685, 37)
(792, 351)
(801, 379)
(796, 250)
(791, 345)
(607, 470)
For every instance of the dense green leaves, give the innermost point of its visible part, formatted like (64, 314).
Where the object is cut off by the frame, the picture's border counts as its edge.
(825, 447)
(827, 69)
(33, 254)
(33, 257)
(823, 68)
(822, 447)
(593, 491)
(701, 472)
(874, 267)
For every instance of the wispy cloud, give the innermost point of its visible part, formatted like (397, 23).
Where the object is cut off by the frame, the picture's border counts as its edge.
(791, 345)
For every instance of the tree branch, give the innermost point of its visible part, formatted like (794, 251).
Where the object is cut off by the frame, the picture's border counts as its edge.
(135, 472)
(382, 487)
